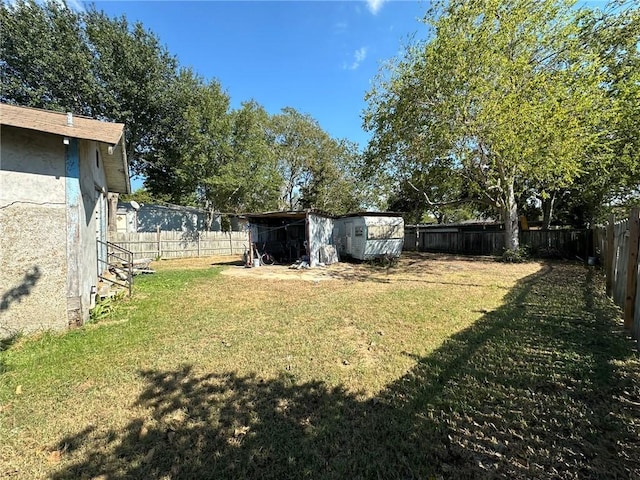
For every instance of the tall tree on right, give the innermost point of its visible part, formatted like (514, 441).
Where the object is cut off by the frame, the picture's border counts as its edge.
(502, 89)
(611, 173)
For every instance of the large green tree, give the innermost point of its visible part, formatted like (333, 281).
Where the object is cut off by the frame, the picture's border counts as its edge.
(134, 74)
(443, 191)
(251, 180)
(45, 58)
(609, 176)
(333, 178)
(318, 171)
(195, 145)
(611, 173)
(181, 135)
(296, 139)
(502, 89)
(86, 63)
(215, 158)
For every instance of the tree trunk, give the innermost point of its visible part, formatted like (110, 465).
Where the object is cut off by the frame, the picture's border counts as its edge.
(209, 211)
(112, 208)
(547, 211)
(511, 231)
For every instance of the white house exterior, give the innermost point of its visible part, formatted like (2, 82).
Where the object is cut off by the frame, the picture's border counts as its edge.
(173, 218)
(55, 172)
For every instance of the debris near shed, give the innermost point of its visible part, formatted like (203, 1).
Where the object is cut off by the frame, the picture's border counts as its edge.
(301, 263)
(142, 265)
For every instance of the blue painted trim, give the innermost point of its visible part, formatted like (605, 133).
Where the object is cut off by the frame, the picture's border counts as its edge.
(73, 197)
(72, 173)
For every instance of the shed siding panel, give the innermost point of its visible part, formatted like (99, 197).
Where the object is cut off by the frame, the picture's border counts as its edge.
(321, 231)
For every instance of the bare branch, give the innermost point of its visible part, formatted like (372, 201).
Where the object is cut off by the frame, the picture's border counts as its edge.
(450, 202)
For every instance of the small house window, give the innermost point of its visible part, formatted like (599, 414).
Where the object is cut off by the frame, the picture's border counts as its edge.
(382, 232)
(359, 231)
(97, 159)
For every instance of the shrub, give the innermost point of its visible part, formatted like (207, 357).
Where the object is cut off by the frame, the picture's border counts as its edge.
(516, 256)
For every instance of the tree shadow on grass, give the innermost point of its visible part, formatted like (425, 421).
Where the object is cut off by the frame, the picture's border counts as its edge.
(543, 387)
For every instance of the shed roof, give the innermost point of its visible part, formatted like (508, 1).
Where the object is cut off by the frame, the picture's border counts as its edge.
(298, 214)
(282, 215)
(110, 135)
(372, 214)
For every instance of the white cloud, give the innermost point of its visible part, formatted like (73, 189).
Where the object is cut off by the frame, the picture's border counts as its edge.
(359, 56)
(340, 27)
(77, 5)
(374, 5)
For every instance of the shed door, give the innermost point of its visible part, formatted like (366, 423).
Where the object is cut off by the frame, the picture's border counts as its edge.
(349, 231)
(121, 222)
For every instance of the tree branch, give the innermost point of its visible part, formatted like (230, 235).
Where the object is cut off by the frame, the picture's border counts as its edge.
(450, 202)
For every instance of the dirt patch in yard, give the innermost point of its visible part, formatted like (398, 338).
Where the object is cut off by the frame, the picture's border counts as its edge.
(410, 267)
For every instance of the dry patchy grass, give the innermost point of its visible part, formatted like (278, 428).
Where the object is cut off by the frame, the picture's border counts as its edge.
(436, 367)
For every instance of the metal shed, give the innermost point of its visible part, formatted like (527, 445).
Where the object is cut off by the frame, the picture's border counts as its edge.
(322, 237)
(282, 234)
(292, 235)
(369, 235)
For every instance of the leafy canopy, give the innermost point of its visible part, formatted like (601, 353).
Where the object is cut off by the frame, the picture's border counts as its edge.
(182, 136)
(504, 91)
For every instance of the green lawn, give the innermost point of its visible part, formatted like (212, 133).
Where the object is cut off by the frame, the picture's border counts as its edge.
(437, 368)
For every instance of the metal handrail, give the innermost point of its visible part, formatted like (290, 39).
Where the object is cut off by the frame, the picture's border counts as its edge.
(117, 255)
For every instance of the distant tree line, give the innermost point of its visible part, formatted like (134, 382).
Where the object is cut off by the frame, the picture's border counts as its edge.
(182, 135)
(508, 108)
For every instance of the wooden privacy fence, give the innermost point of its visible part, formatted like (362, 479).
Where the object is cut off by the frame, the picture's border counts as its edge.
(172, 244)
(546, 243)
(620, 247)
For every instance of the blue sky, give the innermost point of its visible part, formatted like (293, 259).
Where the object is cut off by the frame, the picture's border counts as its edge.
(318, 57)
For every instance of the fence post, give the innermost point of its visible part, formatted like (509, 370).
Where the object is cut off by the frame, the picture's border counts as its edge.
(632, 267)
(198, 236)
(158, 241)
(608, 261)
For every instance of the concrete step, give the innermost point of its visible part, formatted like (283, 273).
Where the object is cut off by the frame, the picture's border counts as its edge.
(108, 289)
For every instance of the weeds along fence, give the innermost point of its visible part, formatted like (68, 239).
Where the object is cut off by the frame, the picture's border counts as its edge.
(619, 244)
(544, 243)
(172, 244)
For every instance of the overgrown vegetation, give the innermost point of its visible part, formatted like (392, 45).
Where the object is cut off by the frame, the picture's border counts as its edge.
(436, 368)
(105, 307)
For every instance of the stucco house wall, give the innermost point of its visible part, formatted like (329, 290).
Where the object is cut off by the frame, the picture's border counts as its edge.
(32, 232)
(54, 180)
